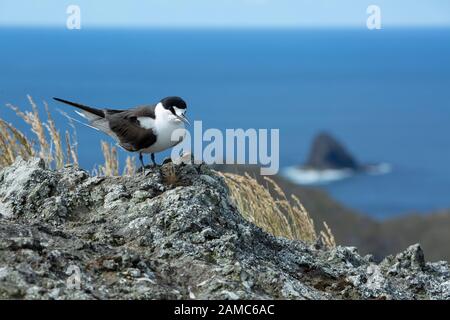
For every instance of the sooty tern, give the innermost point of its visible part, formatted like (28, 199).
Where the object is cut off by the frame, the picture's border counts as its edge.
(144, 129)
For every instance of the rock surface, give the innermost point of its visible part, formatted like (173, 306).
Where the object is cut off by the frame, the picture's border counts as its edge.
(327, 153)
(173, 235)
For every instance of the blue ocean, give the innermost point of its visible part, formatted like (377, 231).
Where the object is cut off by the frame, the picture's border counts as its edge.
(385, 94)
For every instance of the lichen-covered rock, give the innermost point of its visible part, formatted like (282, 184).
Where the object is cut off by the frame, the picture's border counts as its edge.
(66, 235)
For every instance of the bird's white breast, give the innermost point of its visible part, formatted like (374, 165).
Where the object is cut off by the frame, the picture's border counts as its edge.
(163, 127)
(164, 133)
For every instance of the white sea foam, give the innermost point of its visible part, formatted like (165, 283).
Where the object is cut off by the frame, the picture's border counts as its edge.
(379, 169)
(312, 176)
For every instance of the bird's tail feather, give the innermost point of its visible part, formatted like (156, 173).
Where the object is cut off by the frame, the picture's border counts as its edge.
(95, 117)
(97, 112)
(76, 120)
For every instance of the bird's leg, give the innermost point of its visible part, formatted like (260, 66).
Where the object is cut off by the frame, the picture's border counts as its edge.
(152, 157)
(142, 161)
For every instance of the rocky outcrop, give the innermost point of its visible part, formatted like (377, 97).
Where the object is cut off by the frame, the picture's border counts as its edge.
(174, 234)
(327, 153)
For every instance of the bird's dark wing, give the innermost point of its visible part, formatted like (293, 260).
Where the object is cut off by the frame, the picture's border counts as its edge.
(141, 111)
(127, 129)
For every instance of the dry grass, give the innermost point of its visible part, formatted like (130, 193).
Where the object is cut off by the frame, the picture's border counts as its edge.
(276, 214)
(71, 148)
(130, 166)
(13, 143)
(49, 144)
(111, 166)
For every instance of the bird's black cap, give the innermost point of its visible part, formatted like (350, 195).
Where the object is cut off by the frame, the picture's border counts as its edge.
(170, 102)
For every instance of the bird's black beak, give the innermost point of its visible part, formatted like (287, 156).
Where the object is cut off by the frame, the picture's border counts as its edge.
(183, 118)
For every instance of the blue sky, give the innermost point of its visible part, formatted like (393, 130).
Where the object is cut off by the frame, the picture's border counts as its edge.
(225, 13)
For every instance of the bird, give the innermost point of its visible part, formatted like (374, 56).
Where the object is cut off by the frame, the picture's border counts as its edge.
(143, 129)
